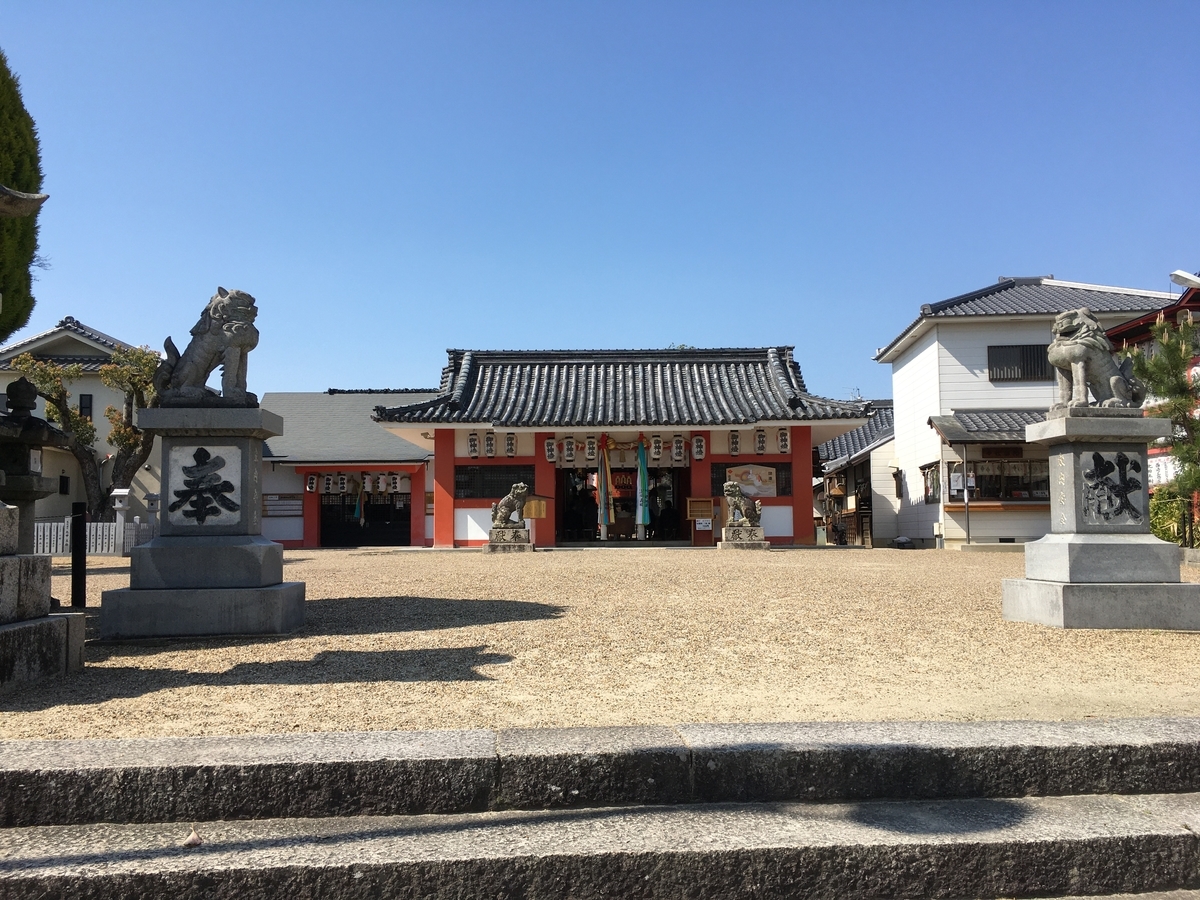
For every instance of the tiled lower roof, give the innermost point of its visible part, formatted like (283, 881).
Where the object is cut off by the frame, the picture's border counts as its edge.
(89, 363)
(880, 428)
(986, 425)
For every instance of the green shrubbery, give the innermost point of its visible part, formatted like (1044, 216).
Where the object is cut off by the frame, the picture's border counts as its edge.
(21, 170)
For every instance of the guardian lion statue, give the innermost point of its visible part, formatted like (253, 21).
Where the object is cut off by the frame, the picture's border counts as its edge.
(224, 337)
(1082, 355)
(503, 511)
(751, 510)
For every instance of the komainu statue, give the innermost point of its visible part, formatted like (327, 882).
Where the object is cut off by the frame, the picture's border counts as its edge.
(1082, 355)
(224, 336)
(514, 503)
(751, 510)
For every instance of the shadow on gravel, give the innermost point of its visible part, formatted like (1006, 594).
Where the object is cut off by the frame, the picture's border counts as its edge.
(374, 615)
(955, 817)
(330, 667)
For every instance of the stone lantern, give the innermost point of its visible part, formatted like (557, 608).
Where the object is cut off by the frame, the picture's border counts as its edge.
(22, 437)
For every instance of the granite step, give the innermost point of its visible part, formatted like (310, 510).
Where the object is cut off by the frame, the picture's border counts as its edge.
(394, 773)
(980, 848)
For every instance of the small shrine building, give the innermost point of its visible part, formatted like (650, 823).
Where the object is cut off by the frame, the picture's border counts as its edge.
(578, 425)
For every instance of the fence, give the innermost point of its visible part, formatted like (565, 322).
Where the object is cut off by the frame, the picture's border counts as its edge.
(103, 539)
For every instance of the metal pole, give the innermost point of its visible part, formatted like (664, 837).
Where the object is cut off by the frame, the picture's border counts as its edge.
(78, 554)
(966, 492)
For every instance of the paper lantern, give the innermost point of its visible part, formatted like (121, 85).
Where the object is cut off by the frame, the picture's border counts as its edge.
(677, 448)
(473, 444)
(510, 444)
(342, 483)
(656, 447)
(785, 440)
(328, 487)
(395, 483)
(699, 446)
(569, 449)
(489, 444)
(735, 443)
(311, 484)
(760, 442)
(551, 450)
(590, 451)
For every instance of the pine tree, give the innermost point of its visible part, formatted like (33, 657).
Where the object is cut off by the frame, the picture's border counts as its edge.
(20, 170)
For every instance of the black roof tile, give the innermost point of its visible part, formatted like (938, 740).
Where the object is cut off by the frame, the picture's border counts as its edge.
(879, 428)
(986, 425)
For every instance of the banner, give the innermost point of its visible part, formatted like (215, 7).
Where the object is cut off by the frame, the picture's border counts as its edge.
(643, 488)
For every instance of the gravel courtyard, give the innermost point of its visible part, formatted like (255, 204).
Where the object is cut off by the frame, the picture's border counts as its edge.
(417, 640)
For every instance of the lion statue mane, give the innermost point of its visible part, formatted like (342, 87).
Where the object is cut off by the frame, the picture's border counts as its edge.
(751, 510)
(224, 336)
(514, 502)
(1082, 356)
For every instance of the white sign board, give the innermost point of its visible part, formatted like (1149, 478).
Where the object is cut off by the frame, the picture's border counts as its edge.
(704, 524)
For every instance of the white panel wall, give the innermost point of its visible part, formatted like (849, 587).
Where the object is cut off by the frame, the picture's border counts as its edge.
(885, 506)
(473, 524)
(283, 480)
(963, 365)
(916, 397)
(776, 521)
(283, 528)
(987, 526)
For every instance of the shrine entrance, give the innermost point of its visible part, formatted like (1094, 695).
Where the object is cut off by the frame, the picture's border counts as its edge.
(366, 520)
(578, 511)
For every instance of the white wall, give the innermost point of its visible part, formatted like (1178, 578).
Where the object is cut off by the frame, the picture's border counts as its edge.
(776, 521)
(916, 397)
(885, 505)
(963, 366)
(988, 525)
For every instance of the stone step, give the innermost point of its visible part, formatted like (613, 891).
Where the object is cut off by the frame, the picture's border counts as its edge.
(982, 848)
(393, 773)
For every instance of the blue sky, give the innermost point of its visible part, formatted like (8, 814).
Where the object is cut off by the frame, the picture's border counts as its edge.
(390, 179)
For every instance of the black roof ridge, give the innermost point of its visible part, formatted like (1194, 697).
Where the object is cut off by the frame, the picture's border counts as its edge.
(665, 351)
(373, 391)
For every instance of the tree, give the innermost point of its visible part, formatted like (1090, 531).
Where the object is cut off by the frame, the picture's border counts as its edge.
(1166, 368)
(20, 170)
(131, 372)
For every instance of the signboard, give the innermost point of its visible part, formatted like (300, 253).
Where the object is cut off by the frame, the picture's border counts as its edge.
(755, 481)
(699, 509)
(624, 482)
(704, 525)
(535, 508)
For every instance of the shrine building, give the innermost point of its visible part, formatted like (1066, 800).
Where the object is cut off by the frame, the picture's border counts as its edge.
(572, 425)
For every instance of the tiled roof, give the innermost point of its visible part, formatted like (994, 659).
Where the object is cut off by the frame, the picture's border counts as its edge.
(986, 425)
(880, 428)
(1037, 296)
(336, 427)
(614, 388)
(73, 326)
(87, 363)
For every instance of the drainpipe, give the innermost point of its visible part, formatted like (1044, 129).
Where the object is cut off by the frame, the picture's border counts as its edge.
(966, 492)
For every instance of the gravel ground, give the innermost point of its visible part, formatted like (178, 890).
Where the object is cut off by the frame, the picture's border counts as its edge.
(416, 640)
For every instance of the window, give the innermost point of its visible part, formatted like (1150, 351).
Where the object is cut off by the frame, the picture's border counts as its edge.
(932, 476)
(783, 478)
(85, 406)
(1002, 479)
(64, 484)
(489, 482)
(1019, 362)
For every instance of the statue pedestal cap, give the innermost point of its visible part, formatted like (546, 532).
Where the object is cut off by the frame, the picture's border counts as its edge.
(508, 539)
(1100, 567)
(743, 537)
(210, 571)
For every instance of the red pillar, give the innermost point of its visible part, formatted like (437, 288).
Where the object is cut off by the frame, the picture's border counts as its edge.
(443, 487)
(544, 485)
(701, 474)
(312, 514)
(417, 488)
(803, 531)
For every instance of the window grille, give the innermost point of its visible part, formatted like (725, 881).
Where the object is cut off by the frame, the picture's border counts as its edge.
(1019, 362)
(489, 482)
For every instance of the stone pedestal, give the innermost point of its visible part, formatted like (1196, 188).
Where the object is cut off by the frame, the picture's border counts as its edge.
(511, 539)
(36, 640)
(742, 537)
(210, 571)
(1100, 567)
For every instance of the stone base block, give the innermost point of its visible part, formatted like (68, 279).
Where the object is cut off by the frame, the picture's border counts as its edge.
(24, 588)
(1170, 607)
(37, 648)
(503, 535)
(1101, 559)
(201, 612)
(507, 548)
(743, 545)
(231, 561)
(8, 529)
(740, 534)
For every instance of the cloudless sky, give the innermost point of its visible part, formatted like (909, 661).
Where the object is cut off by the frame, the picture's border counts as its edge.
(393, 179)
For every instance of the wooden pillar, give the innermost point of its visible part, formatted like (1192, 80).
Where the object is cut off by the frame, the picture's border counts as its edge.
(443, 487)
(803, 531)
(700, 487)
(312, 512)
(544, 485)
(416, 477)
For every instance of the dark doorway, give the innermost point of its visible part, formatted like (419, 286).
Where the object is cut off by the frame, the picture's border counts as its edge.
(382, 520)
(578, 513)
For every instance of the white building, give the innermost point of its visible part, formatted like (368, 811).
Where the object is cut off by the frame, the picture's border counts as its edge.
(859, 499)
(67, 343)
(967, 376)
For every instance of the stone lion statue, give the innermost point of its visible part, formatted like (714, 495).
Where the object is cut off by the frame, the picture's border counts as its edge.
(1082, 355)
(751, 510)
(502, 512)
(224, 336)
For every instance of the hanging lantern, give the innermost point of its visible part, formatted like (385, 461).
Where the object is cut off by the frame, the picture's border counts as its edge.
(342, 483)
(656, 447)
(551, 450)
(785, 440)
(473, 444)
(735, 443)
(569, 449)
(395, 483)
(328, 486)
(366, 482)
(699, 446)
(589, 445)
(489, 444)
(677, 448)
(311, 484)
(760, 441)
(510, 444)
